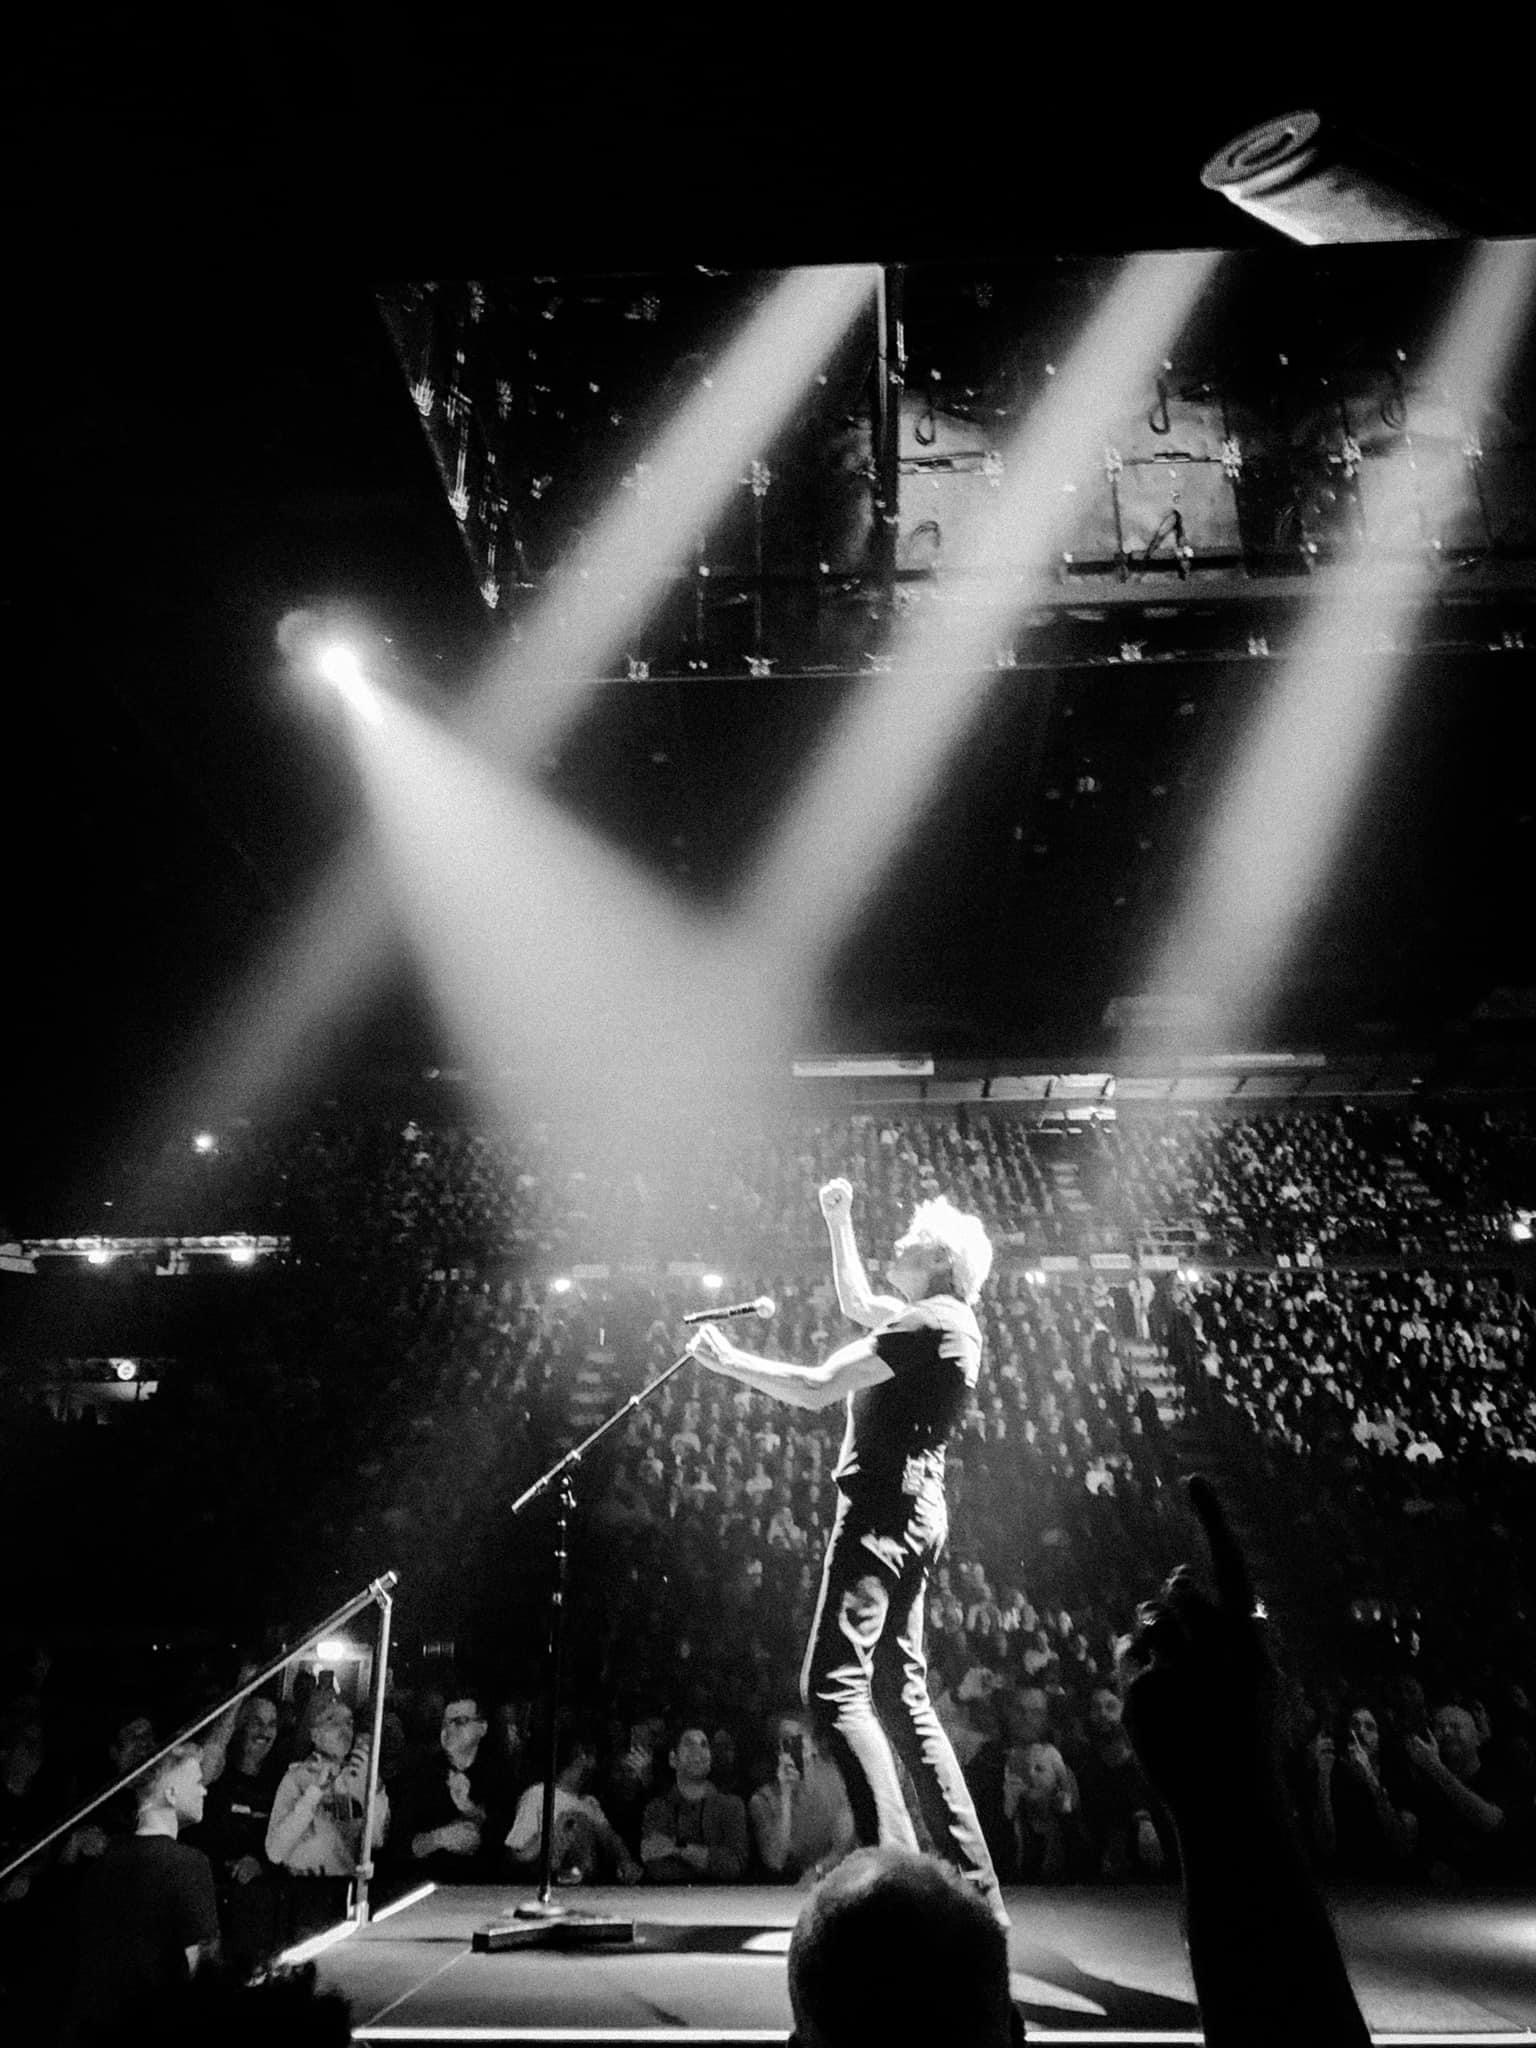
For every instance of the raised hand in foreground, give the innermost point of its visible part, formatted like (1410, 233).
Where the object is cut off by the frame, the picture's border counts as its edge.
(1202, 1707)
(1201, 1713)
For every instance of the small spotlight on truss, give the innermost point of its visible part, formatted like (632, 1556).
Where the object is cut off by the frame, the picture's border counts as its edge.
(1520, 1229)
(126, 1368)
(99, 1255)
(242, 1255)
(334, 1650)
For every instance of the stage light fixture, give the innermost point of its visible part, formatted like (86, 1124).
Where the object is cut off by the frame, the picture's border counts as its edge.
(561, 1284)
(1315, 183)
(339, 664)
(125, 1368)
(334, 1650)
(205, 1142)
(99, 1255)
(1520, 1230)
(712, 1282)
(242, 1255)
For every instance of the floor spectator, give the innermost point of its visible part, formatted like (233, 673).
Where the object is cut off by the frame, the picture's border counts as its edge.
(1467, 1820)
(233, 1836)
(802, 1824)
(1374, 1839)
(316, 1826)
(1043, 1839)
(1121, 1813)
(452, 1811)
(148, 1913)
(694, 1834)
(585, 1848)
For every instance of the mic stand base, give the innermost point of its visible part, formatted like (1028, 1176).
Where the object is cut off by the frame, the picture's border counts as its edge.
(547, 1923)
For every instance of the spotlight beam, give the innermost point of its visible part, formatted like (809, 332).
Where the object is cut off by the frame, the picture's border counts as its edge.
(326, 965)
(613, 581)
(862, 797)
(1274, 836)
(547, 952)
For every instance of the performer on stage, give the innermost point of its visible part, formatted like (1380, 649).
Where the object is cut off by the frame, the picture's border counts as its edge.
(866, 1678)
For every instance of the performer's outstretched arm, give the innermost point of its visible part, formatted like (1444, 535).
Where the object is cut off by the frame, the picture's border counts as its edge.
(803, 1386)
(855, 1297)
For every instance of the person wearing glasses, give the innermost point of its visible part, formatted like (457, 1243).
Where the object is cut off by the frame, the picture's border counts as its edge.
(315, 1830)
(453, 1810)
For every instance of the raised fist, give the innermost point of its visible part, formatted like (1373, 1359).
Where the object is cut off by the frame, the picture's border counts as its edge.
(836, 1200)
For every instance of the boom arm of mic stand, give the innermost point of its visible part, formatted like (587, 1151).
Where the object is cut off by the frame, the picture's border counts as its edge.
(577, 1452)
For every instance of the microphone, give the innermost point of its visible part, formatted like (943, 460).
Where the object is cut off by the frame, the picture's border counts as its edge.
(763, 1307)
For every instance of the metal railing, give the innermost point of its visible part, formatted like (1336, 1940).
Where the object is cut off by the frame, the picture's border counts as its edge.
(380, 1591)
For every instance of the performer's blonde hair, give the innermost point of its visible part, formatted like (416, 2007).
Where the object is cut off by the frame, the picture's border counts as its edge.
(939, 1227)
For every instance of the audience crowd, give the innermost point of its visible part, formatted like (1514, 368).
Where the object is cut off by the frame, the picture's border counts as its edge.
(1341, 1179)
(387, 1388)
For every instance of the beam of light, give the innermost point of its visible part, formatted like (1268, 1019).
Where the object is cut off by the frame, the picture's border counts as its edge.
(564, 975)
(321, 971)
(1276, 829)
(317, 1944)
(340, 666)
(613, 582)
(422, 1891)
(862, 796)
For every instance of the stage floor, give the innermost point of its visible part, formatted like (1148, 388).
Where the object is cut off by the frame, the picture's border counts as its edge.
(707, 1965)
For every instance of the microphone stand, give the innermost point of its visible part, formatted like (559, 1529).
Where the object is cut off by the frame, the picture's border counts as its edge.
(546, 1920)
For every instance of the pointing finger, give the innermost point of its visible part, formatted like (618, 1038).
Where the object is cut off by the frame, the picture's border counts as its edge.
(1234, 1584)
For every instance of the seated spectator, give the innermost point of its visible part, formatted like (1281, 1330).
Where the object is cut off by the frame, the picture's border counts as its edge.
(316, 1827)
(895, 1948)
(147, 1910)
(452, 1810)
(1119, 1808)
(584, 1847)
(233, 1836)
(694, 1834)
(802, 1824)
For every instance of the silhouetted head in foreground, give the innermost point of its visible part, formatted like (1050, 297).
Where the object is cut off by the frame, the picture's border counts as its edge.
(893, 1950)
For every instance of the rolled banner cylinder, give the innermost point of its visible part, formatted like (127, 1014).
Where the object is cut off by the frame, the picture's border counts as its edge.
(1316, 184)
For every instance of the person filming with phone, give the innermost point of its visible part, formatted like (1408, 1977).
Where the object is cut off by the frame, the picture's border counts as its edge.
(802, 1824)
